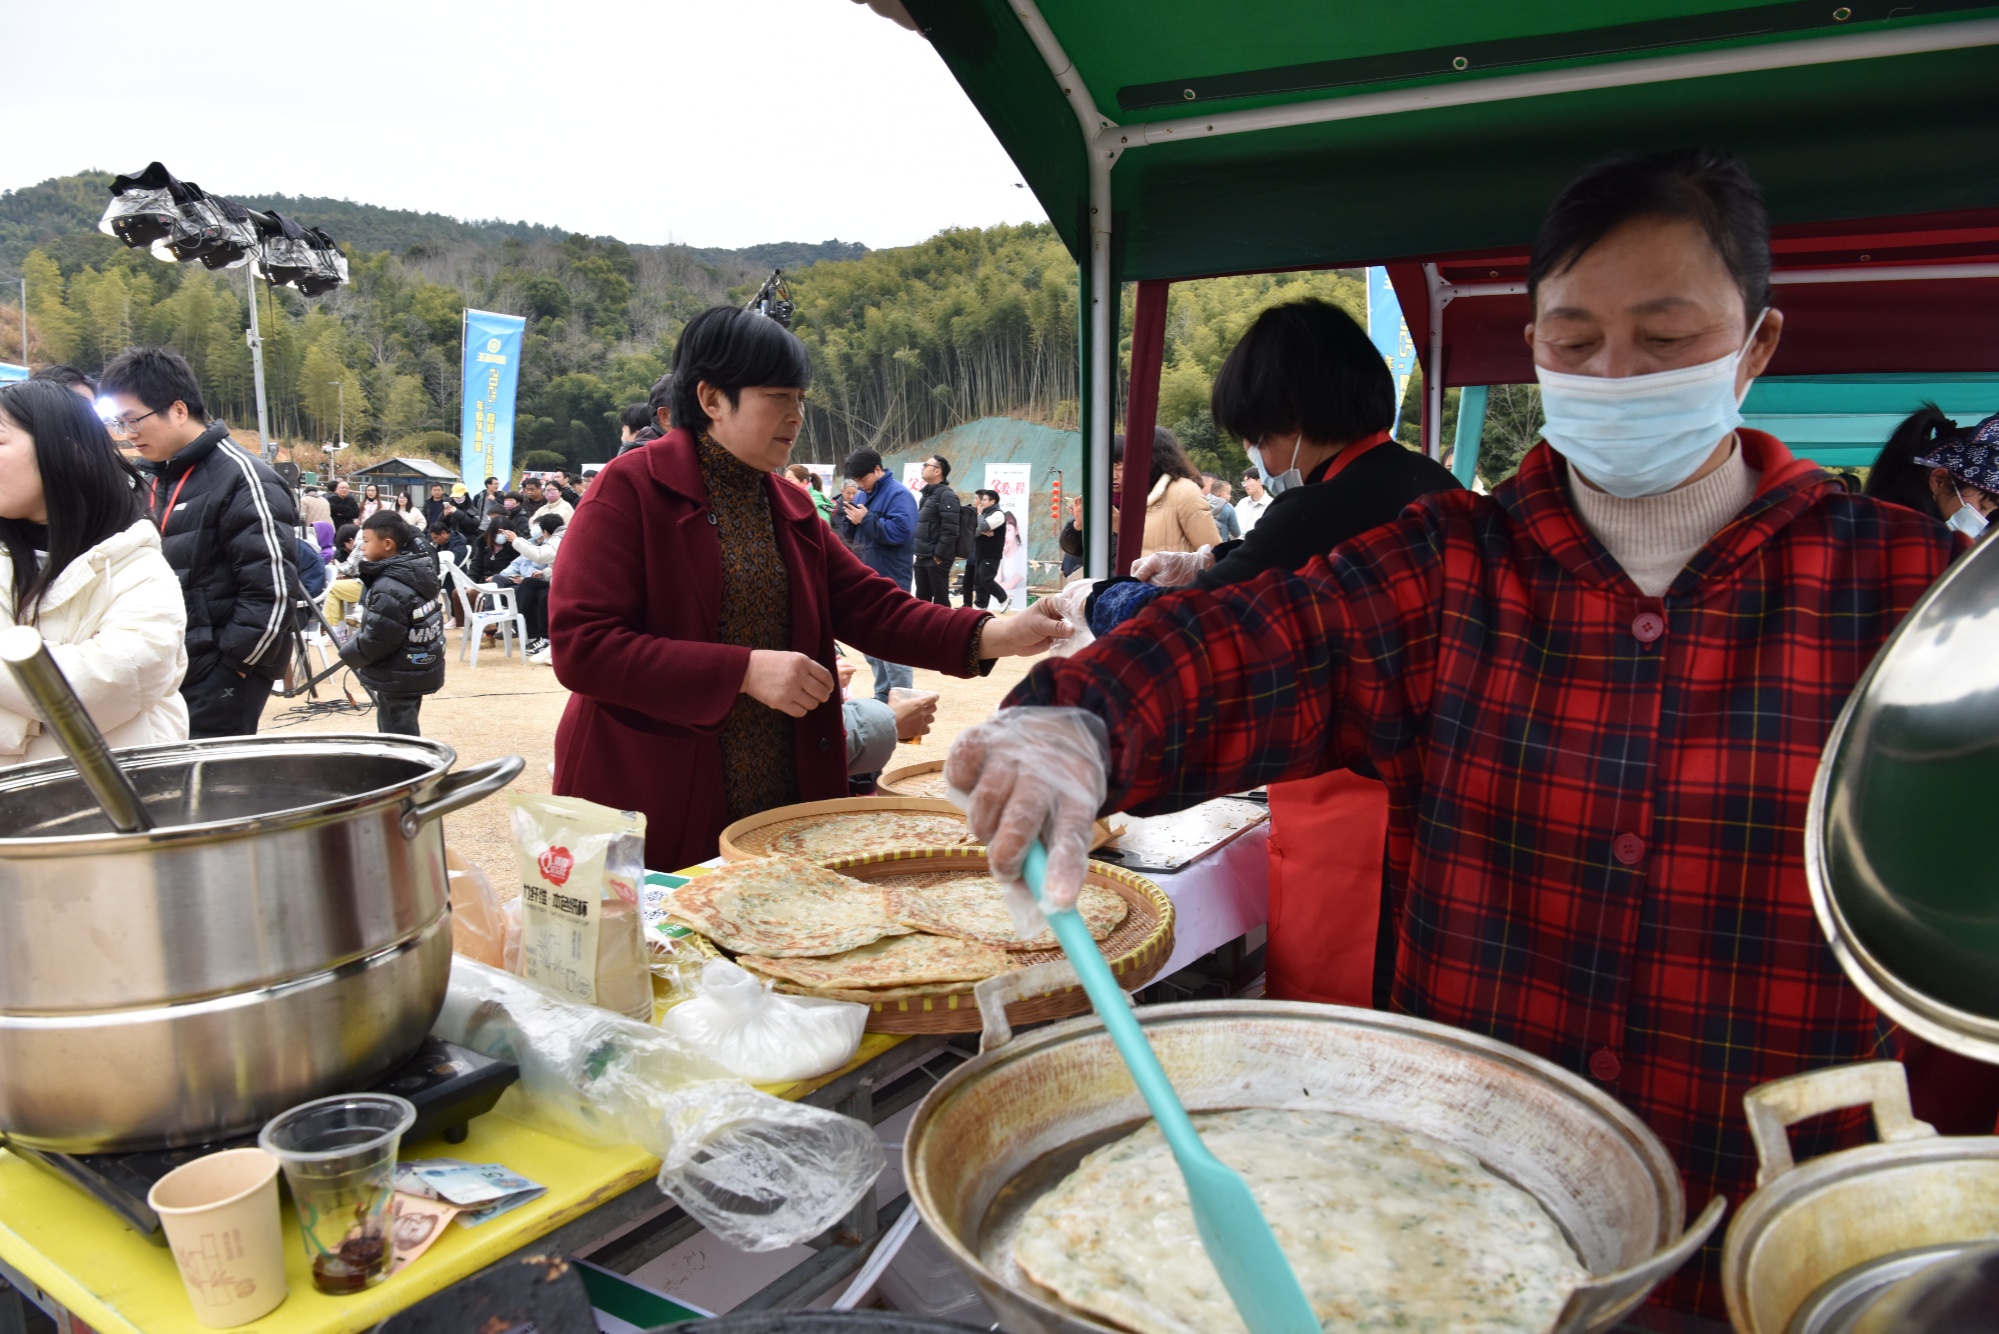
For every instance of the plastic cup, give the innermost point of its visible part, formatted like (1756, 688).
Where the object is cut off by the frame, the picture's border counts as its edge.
(904, 695)
(220, 1213)
(339, 1156)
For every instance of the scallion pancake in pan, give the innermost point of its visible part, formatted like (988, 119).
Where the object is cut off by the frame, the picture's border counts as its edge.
(1386, 1229)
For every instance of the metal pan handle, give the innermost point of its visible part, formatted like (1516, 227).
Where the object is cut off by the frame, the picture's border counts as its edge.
(1612, 1295)
(996, 993)
(1882, 1086)
(459, 790)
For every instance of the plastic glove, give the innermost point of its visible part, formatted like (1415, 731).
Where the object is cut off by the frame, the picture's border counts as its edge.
(1173, 569)
(1069, 604)
(1033, 773)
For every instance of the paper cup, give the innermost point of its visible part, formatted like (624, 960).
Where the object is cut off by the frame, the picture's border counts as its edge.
(221, 1218)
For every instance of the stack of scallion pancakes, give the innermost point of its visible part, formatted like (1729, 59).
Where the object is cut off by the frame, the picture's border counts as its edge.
(821, 933)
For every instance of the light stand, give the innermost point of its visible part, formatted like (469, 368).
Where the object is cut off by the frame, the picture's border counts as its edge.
(301, 679)
(269, 446)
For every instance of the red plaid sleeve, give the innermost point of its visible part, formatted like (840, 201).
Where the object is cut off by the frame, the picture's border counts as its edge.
(1288, 675)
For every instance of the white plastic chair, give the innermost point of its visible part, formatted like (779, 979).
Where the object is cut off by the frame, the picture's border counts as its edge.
(503, 613)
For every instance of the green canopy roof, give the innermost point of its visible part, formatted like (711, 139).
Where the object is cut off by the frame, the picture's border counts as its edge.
(1174, 139)
(1447, 125)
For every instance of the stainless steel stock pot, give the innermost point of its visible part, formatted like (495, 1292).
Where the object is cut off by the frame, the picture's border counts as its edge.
(283, 932)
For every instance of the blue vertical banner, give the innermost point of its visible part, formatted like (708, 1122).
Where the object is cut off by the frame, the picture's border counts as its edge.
(492, 374)
(1389, 334)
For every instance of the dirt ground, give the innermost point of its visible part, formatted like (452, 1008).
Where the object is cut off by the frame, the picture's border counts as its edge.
(506, 707)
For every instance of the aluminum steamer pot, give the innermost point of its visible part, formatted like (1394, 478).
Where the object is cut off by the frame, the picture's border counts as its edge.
(1005, 1128)
(283, 933)
(1819, 1242)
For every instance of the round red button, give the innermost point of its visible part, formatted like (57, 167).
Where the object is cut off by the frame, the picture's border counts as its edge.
(1648, 626)
(1627, 848)
(1603, 1063)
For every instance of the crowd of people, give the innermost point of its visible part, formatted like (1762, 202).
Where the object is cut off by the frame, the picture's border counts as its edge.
(1535, 768)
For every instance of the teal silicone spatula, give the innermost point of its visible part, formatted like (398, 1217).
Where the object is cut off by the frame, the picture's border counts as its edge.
(1233, 1229)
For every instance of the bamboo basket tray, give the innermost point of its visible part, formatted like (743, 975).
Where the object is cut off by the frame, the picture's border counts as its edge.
(914, 780)
(1136, 950)
(752, 835)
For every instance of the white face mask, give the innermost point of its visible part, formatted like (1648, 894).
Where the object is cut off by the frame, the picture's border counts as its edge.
(1285, 480)
(1966, 519)
(1643, 435)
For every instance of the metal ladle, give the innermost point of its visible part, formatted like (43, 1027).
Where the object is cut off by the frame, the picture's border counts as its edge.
(35, 671)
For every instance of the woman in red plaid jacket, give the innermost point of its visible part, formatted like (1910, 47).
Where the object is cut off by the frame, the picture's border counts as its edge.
(1597, 697)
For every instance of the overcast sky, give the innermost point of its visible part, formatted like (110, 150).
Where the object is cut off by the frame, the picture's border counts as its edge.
(712, 122)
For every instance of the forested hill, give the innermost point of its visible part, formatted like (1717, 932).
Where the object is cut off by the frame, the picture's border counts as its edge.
(905, 342)
(45, 215)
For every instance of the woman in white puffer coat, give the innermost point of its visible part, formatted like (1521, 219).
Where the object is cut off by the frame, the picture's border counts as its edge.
(80, 561)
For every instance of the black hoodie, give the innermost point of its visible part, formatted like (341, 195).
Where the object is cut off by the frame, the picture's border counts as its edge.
(399, 649)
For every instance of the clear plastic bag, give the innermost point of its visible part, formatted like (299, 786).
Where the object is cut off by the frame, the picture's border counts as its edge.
(761, 1035)
(670, 950)
(762, 1173)
(755, 1170)
(478, 930)
(510, 936)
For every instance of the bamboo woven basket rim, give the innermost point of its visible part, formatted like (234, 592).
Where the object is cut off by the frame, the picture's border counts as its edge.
(891, 777)
(735, 848)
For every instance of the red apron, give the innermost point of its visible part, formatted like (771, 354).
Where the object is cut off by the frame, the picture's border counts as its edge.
(1327, 835)
(1326, 840)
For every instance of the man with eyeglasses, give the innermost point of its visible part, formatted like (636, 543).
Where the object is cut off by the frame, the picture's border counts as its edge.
(226, 521)
(937, 532)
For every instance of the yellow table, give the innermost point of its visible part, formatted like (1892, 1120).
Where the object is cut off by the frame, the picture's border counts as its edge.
(92, 1263)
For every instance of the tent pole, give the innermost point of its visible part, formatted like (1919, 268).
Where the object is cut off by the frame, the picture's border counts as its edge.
(1141, 414)
(1433, 366)
(1101, 346)
(1103, 372)
(1474, 90)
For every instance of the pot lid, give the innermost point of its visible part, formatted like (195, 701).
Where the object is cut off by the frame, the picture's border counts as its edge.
(1903, 883)
(1959, 1296)
(225, 783)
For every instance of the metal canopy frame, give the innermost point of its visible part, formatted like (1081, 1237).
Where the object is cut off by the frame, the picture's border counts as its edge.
(970, 43)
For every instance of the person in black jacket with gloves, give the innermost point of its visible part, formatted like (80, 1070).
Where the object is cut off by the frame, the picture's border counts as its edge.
(226, 523)
(937, 527)
(399, 650)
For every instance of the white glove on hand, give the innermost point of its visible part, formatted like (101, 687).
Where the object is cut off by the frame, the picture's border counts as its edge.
(1069, 605)
(1172, 569)
(1032, 773)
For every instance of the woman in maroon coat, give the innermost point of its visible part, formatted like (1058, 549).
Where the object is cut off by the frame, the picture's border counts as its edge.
(698, 600)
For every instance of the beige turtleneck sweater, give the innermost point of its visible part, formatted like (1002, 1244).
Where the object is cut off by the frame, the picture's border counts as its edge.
(1653, 537)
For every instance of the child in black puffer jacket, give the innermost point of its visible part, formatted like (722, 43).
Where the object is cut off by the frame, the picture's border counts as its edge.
(399, 650)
